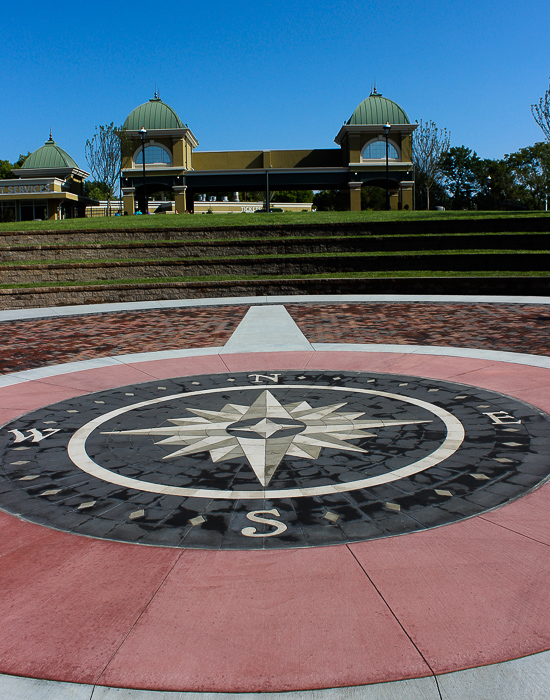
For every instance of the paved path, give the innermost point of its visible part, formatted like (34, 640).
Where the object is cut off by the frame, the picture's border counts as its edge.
(453, 612)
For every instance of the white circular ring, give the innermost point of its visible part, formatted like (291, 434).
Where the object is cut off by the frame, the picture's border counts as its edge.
(78, 455)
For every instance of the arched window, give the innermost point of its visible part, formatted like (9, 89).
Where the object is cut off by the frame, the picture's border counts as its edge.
(376, 150)
(153, 155)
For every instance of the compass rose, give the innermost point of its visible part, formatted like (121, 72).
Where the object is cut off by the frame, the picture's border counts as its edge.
(265, 432)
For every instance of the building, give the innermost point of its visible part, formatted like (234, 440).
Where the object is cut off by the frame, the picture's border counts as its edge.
(158, 135)
(49, 185)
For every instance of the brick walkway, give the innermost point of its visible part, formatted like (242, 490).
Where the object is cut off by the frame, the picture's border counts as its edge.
(507, 327)
(504, 327)
(51, 341)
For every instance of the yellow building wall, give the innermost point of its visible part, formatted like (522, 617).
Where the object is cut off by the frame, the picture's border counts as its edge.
(242, 160)
(178, 154)
(227, 160)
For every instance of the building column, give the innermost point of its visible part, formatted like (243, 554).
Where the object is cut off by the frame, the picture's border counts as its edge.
(51, 209)
(355, 196)
(406, 195)
(181, 199)
(128, 202)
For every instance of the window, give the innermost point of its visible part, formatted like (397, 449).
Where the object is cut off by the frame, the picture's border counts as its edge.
(153, 155)
(376, 150)
(32, 210)
(7, 211)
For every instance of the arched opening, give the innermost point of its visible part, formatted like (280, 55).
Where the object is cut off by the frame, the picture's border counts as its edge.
(155, 154)
(158, 191)
(373, 198)
(376, 150)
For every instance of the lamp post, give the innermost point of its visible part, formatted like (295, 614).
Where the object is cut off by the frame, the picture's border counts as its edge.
(387, 127)
(143, 134)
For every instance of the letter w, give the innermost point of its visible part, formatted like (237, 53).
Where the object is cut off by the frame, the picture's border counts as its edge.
(34, 435)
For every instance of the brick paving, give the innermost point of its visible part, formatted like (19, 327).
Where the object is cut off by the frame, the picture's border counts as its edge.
(50, 341)
(509, 327)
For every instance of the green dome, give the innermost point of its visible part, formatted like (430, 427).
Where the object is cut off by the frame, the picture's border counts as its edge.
(154, 114)
(51, 156)
(378, 110)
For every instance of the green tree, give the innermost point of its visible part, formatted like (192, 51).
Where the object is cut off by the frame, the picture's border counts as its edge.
(96, 190)
(531, 170)
(373, 198)
(496, 186)
(6, 167)
(290, 196)
(429, 145)
(331, 200)
(460, 167)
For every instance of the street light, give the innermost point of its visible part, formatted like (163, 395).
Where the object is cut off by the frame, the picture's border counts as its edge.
(143, 134)
(387, 127)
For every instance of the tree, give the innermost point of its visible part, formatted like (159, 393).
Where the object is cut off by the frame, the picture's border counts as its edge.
(496, 186)
(6, 167)
(531, 169)
(373, 198)
(460, 167)
(96, 189)
(103, 155)
(541, 113)
(331, 200)
(429, 145)
(292, 196)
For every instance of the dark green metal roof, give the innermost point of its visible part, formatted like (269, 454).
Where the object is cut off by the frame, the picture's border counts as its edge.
(51, 156)
(154, 114)
(378, 110)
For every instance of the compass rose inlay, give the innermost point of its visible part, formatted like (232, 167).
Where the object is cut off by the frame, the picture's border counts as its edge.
(286, 459)
(265, 432)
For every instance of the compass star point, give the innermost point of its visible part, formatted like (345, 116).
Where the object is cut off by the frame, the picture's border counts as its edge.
(323, 427)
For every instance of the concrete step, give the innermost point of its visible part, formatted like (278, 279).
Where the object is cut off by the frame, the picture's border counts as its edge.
(302, 245)
(40, 297)
(283, 227)
(276, 265)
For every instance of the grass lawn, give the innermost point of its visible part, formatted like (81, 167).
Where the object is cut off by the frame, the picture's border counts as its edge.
(327, 275)
(186, 221)
(288, 256)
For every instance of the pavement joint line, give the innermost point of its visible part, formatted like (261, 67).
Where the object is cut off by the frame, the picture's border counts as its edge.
(138, 618)
(434, 675)
(509, 529)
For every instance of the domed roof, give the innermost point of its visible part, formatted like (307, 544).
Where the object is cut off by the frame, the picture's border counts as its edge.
(378, 110)
(51, 156)
(154, 114)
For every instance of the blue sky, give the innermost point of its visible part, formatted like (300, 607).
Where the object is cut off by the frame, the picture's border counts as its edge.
(268, 75)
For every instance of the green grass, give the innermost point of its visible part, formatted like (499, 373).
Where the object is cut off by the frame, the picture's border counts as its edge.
(246, 241)
(286, 256)
(187, 221)
(328, 275)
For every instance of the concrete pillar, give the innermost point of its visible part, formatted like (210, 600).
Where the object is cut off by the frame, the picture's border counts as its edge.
(407, 195)
(181, 199)
(128, 203)
(355, 196)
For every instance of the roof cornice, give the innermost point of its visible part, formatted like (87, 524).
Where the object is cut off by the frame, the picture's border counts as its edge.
(372, 129)
(62, 173)
(165, 133)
